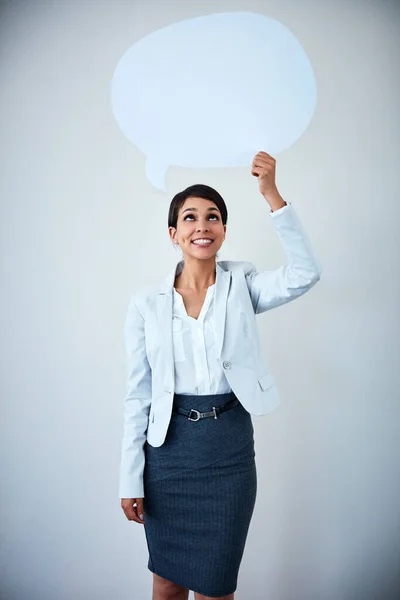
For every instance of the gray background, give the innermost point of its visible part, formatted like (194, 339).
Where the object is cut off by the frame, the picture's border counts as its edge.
(81, 228)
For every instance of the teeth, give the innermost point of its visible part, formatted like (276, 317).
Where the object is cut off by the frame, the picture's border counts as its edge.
(202, 242)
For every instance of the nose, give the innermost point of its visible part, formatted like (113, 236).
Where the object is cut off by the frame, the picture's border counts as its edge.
(202, 225)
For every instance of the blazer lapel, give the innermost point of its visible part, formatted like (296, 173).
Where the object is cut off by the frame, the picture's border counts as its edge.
(164, 317)
(222, 284)
(164, 323)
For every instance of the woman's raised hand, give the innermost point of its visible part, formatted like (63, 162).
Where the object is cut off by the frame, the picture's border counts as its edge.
(263, 167)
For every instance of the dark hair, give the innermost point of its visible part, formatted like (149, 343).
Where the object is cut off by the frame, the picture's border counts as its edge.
(198, 190)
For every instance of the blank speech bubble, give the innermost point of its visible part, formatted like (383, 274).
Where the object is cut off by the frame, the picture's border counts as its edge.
(212, 91)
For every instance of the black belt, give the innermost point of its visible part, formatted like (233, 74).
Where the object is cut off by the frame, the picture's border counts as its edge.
(201, 415)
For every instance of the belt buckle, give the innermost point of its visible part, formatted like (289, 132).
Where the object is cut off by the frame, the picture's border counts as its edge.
(195, 411)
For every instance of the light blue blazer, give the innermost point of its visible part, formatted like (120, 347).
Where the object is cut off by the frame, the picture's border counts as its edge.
(241, 292)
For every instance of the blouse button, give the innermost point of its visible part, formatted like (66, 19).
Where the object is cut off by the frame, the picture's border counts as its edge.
(226, 364)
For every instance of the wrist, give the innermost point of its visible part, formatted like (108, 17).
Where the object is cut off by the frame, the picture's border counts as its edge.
(274, 199)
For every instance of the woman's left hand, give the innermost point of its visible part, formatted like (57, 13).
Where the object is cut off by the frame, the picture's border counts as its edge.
(263, 167)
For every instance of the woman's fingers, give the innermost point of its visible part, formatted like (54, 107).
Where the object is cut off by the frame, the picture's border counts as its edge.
(140, 510)
(263, 163)
(133, 507)
(262, 159)
(263, 167)
(265, 155)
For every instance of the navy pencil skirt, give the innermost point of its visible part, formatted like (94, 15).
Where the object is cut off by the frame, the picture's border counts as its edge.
(200, 489)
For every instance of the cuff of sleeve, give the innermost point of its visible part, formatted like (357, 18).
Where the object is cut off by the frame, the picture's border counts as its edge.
(281, 210)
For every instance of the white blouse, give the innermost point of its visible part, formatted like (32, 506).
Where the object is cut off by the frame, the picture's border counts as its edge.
(197, 368)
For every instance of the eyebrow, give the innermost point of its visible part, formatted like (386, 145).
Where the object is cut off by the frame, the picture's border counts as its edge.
(208, 209)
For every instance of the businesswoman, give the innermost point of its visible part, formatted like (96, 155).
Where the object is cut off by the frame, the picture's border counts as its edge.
(196, 374)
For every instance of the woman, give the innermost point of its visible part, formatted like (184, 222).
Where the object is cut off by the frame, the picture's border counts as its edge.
(196, 374)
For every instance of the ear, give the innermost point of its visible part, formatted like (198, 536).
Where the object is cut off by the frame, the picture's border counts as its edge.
(172, 234)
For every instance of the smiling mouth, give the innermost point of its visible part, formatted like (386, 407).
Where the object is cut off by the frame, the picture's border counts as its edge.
(202, 244)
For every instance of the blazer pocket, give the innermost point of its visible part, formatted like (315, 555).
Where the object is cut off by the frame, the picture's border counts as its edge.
(177, 339)
(266, 381)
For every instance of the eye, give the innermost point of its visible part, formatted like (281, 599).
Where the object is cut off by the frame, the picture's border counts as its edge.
(216, 217)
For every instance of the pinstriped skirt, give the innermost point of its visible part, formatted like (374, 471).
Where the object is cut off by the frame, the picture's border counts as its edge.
(200, 489)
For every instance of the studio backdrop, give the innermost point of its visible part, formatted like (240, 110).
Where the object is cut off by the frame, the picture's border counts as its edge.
(108, 109)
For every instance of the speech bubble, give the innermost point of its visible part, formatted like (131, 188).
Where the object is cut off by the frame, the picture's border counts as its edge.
(212, 91)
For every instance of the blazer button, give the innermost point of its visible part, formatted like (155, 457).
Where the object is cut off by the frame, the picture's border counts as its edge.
(226, 364)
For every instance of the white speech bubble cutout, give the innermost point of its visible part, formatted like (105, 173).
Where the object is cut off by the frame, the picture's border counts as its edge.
(212, 91)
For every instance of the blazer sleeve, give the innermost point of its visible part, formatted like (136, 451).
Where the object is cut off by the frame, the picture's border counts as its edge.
(269, 289)
(136, 406)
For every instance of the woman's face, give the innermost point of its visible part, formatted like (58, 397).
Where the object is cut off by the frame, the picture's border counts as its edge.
(198, 219)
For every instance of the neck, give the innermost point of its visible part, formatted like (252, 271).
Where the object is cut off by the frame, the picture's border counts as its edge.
(197, 275)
